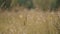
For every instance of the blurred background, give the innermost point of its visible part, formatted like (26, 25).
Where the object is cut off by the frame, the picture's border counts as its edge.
(41, 4)
(29, 16)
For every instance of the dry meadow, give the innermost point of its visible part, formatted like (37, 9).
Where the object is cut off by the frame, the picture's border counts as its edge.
(29, 22)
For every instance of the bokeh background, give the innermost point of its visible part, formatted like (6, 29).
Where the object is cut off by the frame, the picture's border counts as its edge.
(42, 4)
(29, 17)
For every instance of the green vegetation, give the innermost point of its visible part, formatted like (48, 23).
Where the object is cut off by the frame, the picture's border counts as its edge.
(43, 4)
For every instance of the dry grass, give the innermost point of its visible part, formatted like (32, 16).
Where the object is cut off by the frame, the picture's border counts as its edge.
(30, 22)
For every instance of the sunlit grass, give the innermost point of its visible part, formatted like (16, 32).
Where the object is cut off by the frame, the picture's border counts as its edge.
(29, 22)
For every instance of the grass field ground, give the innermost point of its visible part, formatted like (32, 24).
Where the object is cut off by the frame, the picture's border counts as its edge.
(29, 22)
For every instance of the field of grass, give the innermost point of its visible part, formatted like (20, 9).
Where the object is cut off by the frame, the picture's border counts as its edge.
(29, 22)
